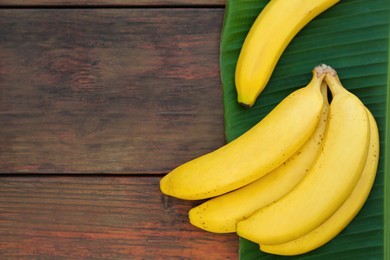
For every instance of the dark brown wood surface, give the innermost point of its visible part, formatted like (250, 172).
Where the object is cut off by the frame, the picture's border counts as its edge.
(96, 105)
(100, 218)
(111, 3)
(108, 91)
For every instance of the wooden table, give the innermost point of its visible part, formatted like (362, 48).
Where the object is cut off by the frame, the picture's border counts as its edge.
(98, 100)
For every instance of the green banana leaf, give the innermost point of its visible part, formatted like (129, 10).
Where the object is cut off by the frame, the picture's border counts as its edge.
(353, 38)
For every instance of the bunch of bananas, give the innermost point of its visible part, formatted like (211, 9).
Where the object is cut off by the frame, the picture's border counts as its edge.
(299, 176)
(293, 181)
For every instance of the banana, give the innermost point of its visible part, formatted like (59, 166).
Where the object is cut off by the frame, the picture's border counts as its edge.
(344, 215)
(328, 183)
(221, 214)
(260, 150)
(274, 28)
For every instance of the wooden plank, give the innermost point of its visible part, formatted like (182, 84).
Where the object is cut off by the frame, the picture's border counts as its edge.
(108, 91)
(127, 3)
(100, 218)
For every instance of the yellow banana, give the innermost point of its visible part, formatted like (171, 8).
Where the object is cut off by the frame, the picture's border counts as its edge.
(344, 215)
(272, 31)
(255, 153)
(221, 214)
(328, 183)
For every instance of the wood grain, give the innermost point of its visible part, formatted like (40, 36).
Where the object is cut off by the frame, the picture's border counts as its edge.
(123, 3)
(108, 90)
(81, 217)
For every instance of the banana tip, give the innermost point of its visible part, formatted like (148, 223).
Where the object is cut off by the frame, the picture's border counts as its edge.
(245, 104)
(164, 186)
(246, 101)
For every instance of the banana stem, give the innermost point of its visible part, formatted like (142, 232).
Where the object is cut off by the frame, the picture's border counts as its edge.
(322, 69)
(333, 81)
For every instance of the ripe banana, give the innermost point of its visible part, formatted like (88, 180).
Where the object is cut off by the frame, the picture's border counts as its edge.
(272, 31)
(255, 153)
(344, 215)
(328, 183)
(221, 214)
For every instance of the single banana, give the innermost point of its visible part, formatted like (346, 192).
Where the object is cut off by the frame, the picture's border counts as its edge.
(221, 214)
(274, 28)
(328, 183)
(344, 215)
(255, 153)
